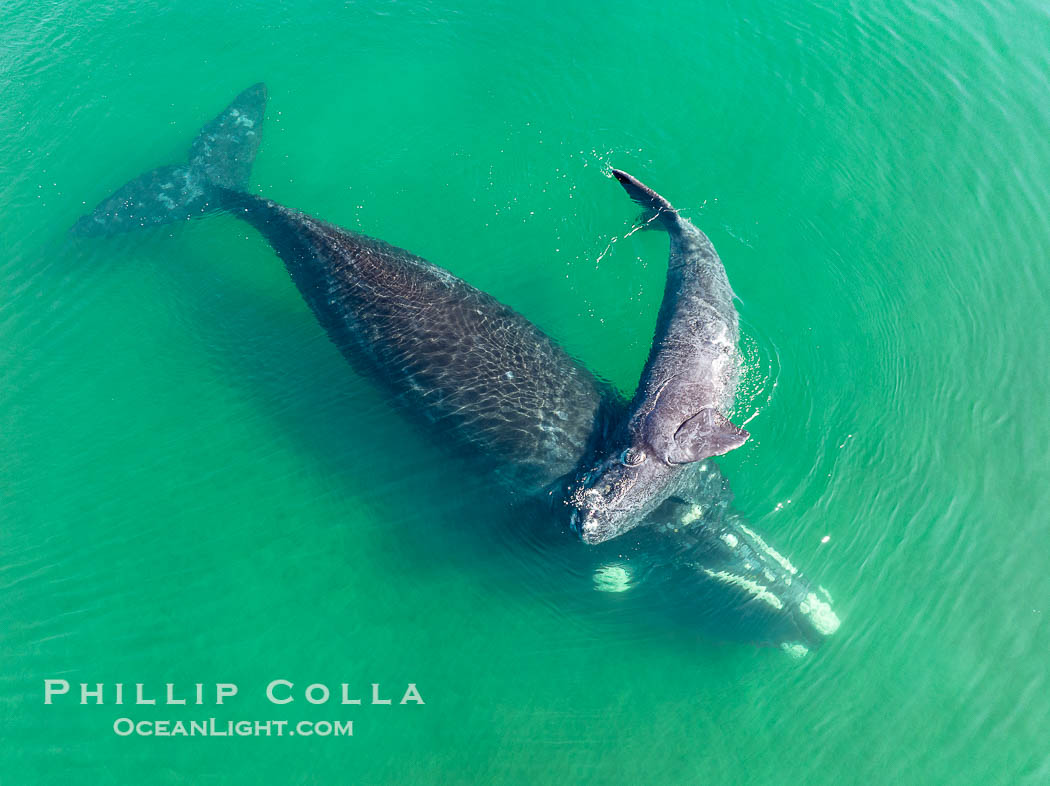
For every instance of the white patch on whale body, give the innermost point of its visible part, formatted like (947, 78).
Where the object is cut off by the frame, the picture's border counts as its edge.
(691, 515)
(241, 120)
(730, 539)
(776, 556)
(612, 578)
(795, 650)
(757, 591)
(820, 614)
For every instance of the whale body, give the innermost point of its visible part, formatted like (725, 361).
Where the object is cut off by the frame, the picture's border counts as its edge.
(691, 374)
(473, 369)
(451, 355)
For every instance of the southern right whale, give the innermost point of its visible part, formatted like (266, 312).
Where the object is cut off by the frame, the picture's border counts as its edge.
(471, 368)
(691, 375)
(448, 353)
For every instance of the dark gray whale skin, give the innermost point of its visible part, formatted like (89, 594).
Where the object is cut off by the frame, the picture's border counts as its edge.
(691, 374)
(509, 395)
(472, 369)
(449, 354)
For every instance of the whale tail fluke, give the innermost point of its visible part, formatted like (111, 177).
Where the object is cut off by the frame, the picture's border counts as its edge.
(220, 158)
(657, 211)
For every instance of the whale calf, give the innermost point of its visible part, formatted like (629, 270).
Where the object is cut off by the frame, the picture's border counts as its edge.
(467, 366)
(675, 418)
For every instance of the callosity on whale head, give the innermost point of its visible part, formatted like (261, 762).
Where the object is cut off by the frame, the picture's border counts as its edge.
(624, 485)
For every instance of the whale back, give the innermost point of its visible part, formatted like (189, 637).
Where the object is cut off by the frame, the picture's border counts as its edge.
(452, 355)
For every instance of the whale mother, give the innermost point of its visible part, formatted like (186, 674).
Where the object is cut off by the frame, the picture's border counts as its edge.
(448, 353)
(472, 368)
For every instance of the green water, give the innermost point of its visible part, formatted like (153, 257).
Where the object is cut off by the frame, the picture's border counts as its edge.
(195, 488)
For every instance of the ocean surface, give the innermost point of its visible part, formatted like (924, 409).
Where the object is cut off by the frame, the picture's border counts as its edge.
(196, 488)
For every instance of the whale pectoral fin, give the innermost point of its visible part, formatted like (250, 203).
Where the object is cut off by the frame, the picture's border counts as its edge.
(707, 433)
(649, 220)
(657, 212)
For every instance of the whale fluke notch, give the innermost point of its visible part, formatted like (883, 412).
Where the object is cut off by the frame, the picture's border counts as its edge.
(221, 155)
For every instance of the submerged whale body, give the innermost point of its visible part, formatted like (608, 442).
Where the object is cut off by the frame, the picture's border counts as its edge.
(472, 368)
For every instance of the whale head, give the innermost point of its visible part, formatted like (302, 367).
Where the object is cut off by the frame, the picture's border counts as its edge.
(614, 494)
(645, 466)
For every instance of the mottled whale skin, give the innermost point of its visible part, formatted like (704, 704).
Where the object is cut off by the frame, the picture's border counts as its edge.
(468, 366)
(510, 395)
(449, 353)
(691, 374)
(221, 155)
